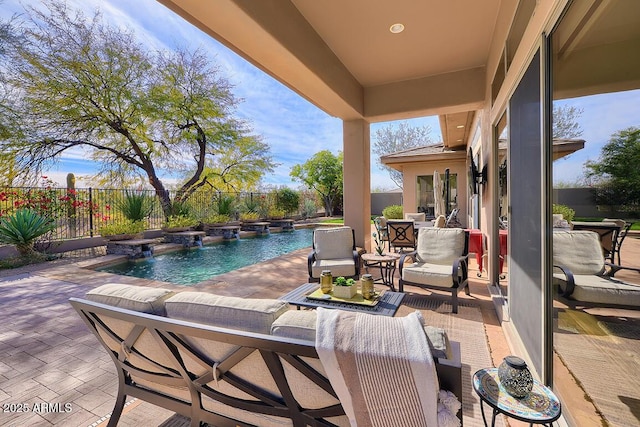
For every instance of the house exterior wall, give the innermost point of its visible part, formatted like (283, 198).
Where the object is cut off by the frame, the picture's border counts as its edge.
(411, 171)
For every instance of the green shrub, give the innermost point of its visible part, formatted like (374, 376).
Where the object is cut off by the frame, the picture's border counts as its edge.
(288, 200)
(224, 204)
(22, 228)
(216, 219)
(135, 206)
(566, 211)
(122, 227)
(309, 208)
(276, 213)
(179, 221)
(392, 212)
(249, 216)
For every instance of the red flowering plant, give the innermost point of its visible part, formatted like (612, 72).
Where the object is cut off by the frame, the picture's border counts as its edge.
(61, 205)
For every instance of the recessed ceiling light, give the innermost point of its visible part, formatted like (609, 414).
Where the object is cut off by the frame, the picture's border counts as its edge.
(459, 126)
(458, 140)
(396, 28)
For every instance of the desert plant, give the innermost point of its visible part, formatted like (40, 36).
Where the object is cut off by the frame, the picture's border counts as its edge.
(392, 212)
(249, 216)
(567, 213)
(179, 221)
(22, 228)
(216, 219)
(224, 204)
(251, 205)
(276, 213)
(122, 227)
(135, 206)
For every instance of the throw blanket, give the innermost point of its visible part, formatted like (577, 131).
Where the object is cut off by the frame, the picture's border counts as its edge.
(382, 370)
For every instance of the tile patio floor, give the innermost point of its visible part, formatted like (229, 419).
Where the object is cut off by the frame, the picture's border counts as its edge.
(48, 358)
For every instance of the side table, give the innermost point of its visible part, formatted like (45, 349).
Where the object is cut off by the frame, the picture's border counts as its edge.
(541, 406)
(386, 263)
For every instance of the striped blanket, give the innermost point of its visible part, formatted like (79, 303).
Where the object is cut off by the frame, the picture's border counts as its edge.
(380, 367)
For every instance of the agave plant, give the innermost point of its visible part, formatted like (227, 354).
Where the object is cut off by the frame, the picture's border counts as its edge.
(22, 228)
(135, 206)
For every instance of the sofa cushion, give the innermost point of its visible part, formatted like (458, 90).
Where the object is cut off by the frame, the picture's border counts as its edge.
(301, 324)
(428, 274)
(578, 250)
(440, 245)
(246, 314)
(338, 267)
(130, 297)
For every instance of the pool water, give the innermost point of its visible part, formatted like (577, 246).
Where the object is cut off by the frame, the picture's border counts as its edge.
(190, 266)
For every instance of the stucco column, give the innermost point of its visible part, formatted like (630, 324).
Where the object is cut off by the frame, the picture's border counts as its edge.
(357, 179)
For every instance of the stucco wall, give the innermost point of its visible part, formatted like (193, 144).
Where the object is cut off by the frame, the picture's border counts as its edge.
(412, 171)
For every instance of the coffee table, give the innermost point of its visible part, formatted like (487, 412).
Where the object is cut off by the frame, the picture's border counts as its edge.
(386, 306)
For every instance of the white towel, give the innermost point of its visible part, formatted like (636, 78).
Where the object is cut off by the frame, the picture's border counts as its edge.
(380, 367)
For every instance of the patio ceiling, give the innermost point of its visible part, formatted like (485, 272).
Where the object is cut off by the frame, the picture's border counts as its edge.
(342, 57)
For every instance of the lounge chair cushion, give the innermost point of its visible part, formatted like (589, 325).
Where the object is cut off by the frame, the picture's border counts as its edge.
(333, 243)
(246, 314)
(428, 274)
(603, 290)
(585, 261)
(136, 298)
(301, 324)
(440, 245)
(338, 267)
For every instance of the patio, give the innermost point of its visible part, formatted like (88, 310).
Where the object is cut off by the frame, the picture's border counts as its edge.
(49, 357)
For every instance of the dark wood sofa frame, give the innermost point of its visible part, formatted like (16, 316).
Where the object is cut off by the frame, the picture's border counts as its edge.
(174, 343)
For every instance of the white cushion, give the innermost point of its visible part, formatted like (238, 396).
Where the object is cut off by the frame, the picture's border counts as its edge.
(333, 243)
(246, 314)
(428, 274)
(603, 290)
(415, 216)
(578, 250)
(338, 267)
(301, 324)
(130, 297)
(440, 245)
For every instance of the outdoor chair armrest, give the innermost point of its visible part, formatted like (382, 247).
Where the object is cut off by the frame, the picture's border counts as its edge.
(356, 261)
(571, 283)
(310, 260)
(460, 263)
(614, 268)
(411, 255)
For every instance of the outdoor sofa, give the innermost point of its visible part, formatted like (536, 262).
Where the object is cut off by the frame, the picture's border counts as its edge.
(225, 361)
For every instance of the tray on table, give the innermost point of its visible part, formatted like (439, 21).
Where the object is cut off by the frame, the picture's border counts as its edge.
(357, 299)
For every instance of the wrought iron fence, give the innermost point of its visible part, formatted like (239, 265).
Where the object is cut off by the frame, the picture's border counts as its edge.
(81, 212)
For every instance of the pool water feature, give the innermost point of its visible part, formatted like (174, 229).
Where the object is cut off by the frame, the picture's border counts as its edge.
(191, 266)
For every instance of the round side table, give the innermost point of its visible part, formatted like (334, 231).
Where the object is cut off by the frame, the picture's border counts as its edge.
(386, 263)
(540, 406)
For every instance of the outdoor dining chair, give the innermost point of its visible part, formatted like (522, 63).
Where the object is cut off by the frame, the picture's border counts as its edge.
(402, 235)
(617, 239)
(334, 249)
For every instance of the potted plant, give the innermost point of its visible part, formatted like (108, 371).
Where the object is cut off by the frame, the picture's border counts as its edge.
(275, 213)
(214, 220)
(123, 230)
(249, 217)
(344, 288)
(176, 223)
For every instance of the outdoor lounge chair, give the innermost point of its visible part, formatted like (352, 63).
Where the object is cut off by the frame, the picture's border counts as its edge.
(334, 249)
(402, 235)
(440, 262)
(582, 274)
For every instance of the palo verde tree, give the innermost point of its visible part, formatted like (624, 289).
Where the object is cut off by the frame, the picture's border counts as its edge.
(322, 173)
(85, 84)
(616, 172)
(390, 139)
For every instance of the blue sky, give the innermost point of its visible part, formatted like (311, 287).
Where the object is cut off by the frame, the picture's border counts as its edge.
(294, 128)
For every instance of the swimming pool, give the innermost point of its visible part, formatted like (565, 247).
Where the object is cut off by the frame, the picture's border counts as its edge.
(190, 266)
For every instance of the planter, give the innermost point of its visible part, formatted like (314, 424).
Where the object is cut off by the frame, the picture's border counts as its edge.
(176, 229)
(116, 237)
(345, 292)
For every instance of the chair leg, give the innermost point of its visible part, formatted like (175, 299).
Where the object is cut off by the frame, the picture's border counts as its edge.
(117, 409)
(467, 291)
(400, 286)
(454, 302)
